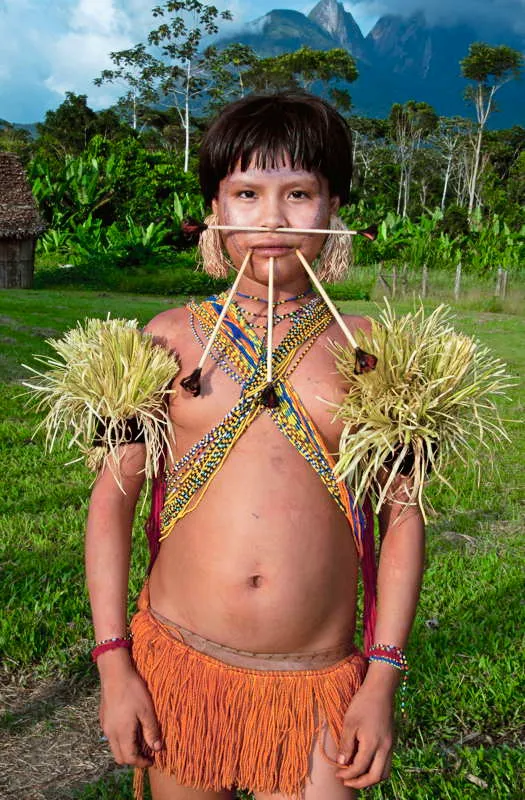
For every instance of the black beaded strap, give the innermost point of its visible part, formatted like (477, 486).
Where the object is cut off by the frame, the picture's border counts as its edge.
(407, 464)
(132, 433)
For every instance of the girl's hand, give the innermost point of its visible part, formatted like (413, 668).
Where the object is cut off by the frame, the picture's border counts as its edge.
(128, 719)
(365, 750)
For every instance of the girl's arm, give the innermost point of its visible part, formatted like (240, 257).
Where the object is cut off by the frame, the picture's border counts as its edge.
(126, 710)
(367, 740)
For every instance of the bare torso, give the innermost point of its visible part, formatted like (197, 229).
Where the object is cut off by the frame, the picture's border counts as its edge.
(267, 561)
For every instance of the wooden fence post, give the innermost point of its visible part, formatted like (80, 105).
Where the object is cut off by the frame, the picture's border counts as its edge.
(457, 282)
(382, 278)
(497, 290)
(404, 279)
(424, 281)
(504, 278)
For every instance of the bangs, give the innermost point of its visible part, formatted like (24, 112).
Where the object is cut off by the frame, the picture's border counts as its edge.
(272, 143)
(272, 131)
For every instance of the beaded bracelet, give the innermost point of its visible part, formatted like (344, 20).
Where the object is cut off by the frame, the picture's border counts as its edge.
(110, 644)
(396, 657)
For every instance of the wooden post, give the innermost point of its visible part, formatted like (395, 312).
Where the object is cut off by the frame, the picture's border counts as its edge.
(504, 278)
(457, 283)
(424, 281)
(404, 279)
(497, 290)
(394, 281)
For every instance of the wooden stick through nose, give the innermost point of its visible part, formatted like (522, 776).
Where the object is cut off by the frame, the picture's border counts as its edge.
(260, 229)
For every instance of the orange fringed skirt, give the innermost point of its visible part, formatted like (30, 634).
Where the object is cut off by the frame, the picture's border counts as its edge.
(226, 726)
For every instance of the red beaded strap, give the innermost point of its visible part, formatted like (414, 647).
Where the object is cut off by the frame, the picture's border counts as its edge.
(110, 644)
(396, 657)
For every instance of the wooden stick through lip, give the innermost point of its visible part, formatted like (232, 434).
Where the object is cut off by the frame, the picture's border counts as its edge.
(319, 286)
(224, 310)
(269, 335)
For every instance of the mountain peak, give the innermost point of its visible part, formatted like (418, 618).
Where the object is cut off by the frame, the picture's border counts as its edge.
(332, 17)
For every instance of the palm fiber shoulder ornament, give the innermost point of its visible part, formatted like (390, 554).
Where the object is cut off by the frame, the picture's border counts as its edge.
(105, 386)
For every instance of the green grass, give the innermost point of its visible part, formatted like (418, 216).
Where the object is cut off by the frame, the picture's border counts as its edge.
(466, 684)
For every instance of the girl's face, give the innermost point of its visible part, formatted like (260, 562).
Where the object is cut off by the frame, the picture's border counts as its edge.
(279, 197)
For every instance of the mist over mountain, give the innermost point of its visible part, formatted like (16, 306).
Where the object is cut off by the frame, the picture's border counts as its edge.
(403, 57)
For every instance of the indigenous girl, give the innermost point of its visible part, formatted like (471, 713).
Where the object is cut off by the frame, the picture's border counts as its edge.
(242, 672)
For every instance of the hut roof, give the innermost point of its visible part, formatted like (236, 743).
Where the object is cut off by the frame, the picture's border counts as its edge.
(19, 215)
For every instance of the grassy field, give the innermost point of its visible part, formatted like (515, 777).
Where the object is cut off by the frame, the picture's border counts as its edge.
(464, 733)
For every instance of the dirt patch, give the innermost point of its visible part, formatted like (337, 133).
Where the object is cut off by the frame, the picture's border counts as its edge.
(35, 330)
(50, 739)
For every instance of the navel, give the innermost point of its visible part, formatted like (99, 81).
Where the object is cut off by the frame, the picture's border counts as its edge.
(255, 581)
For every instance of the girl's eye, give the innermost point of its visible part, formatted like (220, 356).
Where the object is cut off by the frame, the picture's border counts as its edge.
(298, 194)
(247, 194)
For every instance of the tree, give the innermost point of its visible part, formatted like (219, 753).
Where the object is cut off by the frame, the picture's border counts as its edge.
(181, 74)
(303, 68)
(489, 68)
(130, 68)
(451, 140)
(228, 67)
(69, 128)
(14, 139)
(409, 124)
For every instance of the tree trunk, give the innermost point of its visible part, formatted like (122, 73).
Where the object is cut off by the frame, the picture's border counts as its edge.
(447, 179)
(187, 119)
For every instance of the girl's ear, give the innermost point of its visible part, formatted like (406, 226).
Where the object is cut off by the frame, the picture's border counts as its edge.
(334, 204)
(215, 206)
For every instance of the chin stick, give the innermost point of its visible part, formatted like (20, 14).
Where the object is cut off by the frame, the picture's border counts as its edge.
(192, 382)
(269, 396)
(364, 362)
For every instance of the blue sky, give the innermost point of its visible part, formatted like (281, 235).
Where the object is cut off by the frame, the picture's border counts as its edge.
(48, 47)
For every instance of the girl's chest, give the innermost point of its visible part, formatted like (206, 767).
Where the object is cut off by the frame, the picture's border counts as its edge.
(316, 390)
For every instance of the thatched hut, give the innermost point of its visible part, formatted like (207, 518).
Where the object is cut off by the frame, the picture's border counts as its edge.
(20, 225)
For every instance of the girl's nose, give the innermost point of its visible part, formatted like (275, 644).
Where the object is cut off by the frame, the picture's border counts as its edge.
(272, 213)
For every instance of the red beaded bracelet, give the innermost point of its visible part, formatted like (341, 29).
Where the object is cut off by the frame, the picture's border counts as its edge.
(110, 644)
(396, 657)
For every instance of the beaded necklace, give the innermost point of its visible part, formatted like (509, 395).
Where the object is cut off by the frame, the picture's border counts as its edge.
(277, 318)
(276, 302)
(220, 358)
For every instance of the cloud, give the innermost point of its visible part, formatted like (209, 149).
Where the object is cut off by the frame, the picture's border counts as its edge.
(95, 28)
(507, 13)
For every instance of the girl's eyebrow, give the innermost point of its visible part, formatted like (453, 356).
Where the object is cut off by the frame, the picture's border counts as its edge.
(246, 180)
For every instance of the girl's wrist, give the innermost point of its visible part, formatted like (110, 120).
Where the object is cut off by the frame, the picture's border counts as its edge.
(382, 678)
(113, 663)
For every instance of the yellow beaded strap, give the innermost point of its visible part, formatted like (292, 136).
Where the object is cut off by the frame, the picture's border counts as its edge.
(190, 477)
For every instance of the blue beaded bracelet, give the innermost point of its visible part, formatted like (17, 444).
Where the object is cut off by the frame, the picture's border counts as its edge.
(396, 657)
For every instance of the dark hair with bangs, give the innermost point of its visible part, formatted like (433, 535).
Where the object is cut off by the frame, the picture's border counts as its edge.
(300, 126)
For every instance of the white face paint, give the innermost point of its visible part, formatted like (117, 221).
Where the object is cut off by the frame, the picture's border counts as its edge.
(279, 197)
